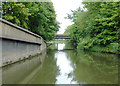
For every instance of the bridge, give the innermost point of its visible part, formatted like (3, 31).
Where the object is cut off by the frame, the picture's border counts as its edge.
(17, 43)
(62, 36)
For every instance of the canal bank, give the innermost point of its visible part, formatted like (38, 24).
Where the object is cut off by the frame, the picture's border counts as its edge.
(61, 64)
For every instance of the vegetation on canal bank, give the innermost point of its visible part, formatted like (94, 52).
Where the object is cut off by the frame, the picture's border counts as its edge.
(96, 27)
(38, 17)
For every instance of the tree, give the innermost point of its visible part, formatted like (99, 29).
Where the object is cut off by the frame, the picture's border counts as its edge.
(97, 26)
(38, 17)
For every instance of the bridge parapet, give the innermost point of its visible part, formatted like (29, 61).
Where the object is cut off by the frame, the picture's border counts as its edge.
(62, 36)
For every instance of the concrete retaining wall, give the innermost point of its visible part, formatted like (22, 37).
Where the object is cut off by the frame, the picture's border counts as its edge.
(18, 43)
(0, 45)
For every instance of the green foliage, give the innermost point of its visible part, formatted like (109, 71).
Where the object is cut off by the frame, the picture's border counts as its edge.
(85, 43)
(111, 48)
(16, 13)
(38, 17)
(97, 25)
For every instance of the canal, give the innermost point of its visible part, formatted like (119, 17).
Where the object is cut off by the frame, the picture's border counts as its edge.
(62, 64)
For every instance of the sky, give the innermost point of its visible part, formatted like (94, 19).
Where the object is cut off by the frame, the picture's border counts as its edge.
(62, 7)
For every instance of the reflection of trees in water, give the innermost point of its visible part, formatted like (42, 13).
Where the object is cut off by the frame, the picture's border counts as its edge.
(94, 68)
(119, 70)
(69, 45)
(49, 71)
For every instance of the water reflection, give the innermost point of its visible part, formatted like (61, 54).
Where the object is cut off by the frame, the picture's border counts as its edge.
(86, 67)
(0, 76)
(92, 69)
(65, 69)
(41, 69)
(61, 46)
(61, 66)
(22, 72)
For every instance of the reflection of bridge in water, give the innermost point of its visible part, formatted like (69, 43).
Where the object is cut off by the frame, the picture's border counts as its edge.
(62, 36)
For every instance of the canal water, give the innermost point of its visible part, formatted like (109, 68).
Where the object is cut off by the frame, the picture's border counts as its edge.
(62, 64)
